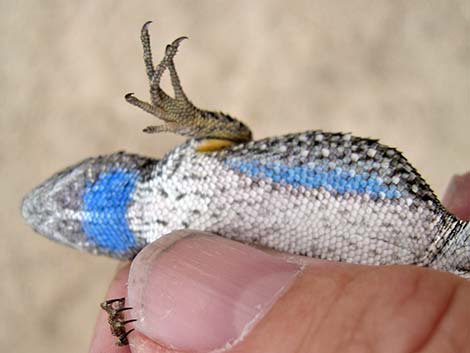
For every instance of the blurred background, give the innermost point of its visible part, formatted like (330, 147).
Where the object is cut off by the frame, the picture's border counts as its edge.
(394, 70)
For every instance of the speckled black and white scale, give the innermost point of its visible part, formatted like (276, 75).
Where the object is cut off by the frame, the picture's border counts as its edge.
(331, 196)
(327, 195)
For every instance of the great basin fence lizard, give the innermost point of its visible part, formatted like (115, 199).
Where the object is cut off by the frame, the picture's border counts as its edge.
(327, 195)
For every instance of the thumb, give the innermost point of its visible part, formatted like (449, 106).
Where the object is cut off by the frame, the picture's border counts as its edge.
(196, 292)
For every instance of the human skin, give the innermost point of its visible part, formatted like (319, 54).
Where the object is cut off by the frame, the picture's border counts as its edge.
(182, 293)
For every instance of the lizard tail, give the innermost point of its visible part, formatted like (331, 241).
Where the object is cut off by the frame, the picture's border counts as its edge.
(453, 255)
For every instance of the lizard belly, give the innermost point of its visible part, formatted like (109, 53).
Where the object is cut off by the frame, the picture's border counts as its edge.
(197, 191)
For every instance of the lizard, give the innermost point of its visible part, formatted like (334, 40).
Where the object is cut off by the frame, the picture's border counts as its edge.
(331, 196)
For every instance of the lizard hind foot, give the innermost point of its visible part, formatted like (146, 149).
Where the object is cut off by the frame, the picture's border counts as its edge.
(178, 112)
(115, 308)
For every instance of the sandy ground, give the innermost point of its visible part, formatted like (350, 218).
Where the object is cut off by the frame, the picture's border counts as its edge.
(395, 70)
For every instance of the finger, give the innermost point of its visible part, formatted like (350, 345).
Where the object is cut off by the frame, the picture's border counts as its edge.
(349, 308)
(199, 292)
(102, 340)
(457, 196)
(203, 292)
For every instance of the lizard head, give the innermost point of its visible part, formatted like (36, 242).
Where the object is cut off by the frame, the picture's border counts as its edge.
(84, 206)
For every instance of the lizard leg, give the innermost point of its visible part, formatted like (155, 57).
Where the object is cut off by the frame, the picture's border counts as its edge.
(154, 75)
(115, 308)
(170, 53)
(145, 40)
(180, 115)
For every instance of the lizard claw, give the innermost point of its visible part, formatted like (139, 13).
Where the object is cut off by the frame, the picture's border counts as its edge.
(177, 41)
(146, 26)
(172, 48)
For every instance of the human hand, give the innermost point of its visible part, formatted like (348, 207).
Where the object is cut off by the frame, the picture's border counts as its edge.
(197, 292)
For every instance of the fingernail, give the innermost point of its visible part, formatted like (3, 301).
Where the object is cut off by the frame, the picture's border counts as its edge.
(200, 292)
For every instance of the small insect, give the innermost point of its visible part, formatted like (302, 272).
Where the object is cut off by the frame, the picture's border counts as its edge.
(115, 309)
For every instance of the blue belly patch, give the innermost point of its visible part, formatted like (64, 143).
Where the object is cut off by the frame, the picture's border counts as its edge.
(336, 179)
(105, 203)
